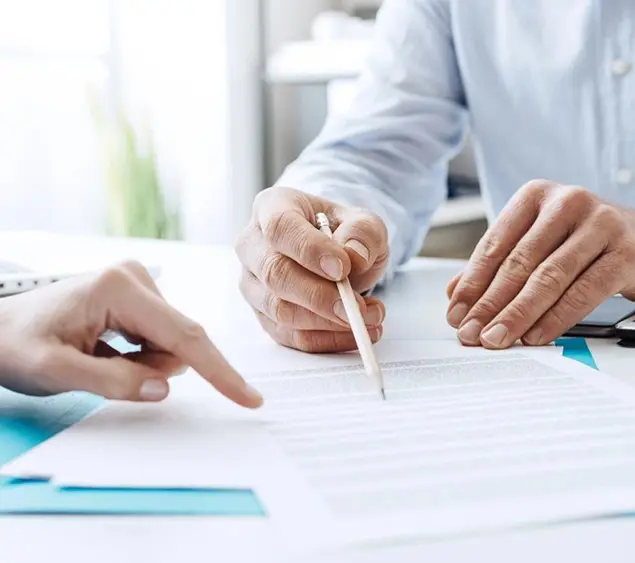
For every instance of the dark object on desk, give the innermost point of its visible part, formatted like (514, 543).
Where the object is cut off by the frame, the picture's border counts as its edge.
(603, 321)
(626, 331)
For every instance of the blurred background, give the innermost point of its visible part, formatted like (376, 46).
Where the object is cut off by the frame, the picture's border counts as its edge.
(164, 118)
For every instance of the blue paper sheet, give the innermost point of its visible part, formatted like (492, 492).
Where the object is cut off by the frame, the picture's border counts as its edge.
(26, 422)
(577, 349)
(39, 497)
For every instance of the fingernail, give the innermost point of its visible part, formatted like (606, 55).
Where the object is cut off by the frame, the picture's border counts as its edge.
(471, 332)
(339, 311)
(332, 267)
(374, 316)
(375, 333)
(534, 337)
(457, 314)
(359, 248)
(495, 336)
(154, 390)
(253, 394)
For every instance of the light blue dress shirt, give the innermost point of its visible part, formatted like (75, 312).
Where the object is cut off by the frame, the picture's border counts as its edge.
(545, 87)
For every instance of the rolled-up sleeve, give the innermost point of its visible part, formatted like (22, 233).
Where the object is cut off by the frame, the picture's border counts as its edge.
(390, 151)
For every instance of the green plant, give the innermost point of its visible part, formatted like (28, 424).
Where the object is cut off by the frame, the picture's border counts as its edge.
(137, 206)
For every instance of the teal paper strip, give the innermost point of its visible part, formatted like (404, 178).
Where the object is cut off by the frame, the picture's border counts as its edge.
(38, 497)
(577, 349)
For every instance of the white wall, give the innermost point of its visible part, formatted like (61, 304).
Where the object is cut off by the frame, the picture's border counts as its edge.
(289, 20)
(49, 175)
(190, 67)
(193, 70)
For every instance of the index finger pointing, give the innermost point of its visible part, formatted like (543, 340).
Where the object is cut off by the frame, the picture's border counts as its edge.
(288, 225)
(145, 314)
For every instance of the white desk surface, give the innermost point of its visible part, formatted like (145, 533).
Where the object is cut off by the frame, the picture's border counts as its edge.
(201, 281)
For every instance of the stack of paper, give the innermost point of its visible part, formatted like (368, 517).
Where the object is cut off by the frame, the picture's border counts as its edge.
(467, 441)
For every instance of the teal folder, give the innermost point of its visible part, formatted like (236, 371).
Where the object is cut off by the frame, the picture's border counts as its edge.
(26, 422)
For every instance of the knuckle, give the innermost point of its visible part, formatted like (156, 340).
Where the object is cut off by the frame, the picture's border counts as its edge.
(243, 284)
(466, 292)
(330, 341)
(115, 276)
(607, 218)
(371, 225)
(577, 194)
(279, 194)
(248, 286)
(576, 199)
(275, 269)
(301, 246)
(551, 276)
(518, 265)
(191, 333)
(304, 341)
(275, 229)
(605, 279)
(608, 276)
(318, 300)
(243, 242)
(262, 196)
(575, 300)
(493, 249)
(133, 267)
(536, 188)
(555, 320)
(486, 307)
(517, 312)
(280, 311)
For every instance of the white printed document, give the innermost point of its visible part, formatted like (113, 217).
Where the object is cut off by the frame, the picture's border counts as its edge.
(462, 444)
(467, 441)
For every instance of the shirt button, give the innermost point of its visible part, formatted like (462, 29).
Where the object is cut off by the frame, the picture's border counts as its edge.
(620, 67)
(624, 176)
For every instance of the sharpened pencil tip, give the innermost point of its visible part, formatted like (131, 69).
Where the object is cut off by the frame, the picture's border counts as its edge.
(383, 393)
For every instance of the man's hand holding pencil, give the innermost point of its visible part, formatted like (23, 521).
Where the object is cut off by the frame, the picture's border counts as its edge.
(290, 267)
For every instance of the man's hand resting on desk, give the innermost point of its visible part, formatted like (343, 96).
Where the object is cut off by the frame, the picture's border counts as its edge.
(290, 267)
(553, 256)
(49, 341)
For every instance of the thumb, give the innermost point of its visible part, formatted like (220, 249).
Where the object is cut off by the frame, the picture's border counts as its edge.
(115, 378)
(363, 235)
(287, 218)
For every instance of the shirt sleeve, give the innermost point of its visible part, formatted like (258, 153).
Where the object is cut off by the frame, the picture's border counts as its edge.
(390, 151)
